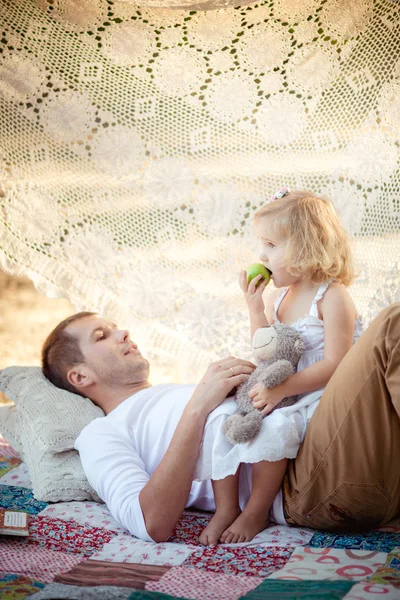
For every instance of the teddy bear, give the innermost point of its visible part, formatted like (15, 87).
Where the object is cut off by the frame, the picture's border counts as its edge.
(278, 349)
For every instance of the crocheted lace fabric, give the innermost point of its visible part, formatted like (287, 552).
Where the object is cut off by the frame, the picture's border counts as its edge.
(138, 142)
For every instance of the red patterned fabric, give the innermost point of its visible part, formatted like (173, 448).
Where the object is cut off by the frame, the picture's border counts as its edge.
(254, 560)
(202, 585)
(6, 450)
(188, 529)
(20, 557)
(68, 536)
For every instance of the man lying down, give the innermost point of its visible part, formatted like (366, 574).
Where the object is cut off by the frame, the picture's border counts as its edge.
(147, 458)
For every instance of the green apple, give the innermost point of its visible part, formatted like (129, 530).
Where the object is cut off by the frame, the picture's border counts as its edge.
(258, 269)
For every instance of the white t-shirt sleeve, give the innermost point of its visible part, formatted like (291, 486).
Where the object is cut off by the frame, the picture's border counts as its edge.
(116, 472)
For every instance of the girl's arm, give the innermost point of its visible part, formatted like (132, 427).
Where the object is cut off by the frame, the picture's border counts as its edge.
(338, 313)
(255, 303)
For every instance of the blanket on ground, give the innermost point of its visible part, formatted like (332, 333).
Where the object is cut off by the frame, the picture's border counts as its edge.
(77, 550)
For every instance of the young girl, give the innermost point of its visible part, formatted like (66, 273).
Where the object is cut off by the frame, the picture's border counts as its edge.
(307, 251)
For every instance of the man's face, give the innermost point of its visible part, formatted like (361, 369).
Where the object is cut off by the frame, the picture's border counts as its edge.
(109, 352)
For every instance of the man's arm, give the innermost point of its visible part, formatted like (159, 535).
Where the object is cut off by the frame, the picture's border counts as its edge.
(164, 497)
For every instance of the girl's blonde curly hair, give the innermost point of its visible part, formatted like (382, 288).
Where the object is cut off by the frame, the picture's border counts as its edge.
(317, 245)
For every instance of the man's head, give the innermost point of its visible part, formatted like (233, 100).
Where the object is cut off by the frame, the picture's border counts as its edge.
(61, 351)
(87, 355)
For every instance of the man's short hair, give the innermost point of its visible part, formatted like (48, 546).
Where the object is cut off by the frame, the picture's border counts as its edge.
(61, 352)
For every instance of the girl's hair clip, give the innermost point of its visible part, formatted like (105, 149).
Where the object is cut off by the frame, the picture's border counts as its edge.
(281, 194)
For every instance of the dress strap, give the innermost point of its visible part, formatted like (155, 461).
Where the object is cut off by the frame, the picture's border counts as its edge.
(278, 301)
(320, 292)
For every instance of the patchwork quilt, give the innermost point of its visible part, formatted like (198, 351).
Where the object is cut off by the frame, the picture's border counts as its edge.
(76, 550)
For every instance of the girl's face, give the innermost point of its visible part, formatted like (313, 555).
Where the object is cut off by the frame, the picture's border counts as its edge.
(272, 253)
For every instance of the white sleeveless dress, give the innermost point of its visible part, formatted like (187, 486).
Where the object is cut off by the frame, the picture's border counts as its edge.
(282, 431)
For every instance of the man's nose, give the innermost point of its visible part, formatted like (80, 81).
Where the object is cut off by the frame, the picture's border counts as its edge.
(123, 335)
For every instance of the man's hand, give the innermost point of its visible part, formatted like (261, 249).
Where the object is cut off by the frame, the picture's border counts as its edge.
(220, 378)
(266, 398)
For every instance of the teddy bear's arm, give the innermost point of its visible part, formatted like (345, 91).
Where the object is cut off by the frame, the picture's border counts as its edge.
(276, 373)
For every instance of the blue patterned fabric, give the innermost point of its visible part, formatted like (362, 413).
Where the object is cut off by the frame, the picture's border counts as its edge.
(19, 498)
(379, 541)
(144, 595)
(18, 587)
(299, 590)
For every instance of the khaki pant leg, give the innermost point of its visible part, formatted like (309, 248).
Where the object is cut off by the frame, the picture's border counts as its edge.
(346, 476)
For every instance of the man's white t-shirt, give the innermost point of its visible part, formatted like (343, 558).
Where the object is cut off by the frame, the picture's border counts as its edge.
(120, 452)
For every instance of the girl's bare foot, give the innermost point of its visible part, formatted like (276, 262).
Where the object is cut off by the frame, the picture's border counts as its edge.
(218, 524)
(246, 526)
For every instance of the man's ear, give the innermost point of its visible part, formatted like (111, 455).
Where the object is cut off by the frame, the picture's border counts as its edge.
(80, 376)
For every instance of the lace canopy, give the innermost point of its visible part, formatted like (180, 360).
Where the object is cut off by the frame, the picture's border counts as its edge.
(136, 144)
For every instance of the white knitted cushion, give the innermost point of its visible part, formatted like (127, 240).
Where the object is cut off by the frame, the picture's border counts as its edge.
(43, 426)
(9, 426)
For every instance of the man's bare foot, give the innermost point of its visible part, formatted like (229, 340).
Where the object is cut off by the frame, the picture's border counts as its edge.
(246, 526)
(219, 522)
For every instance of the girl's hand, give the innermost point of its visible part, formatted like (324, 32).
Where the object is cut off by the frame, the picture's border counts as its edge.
(253, 294)
(266, 398)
